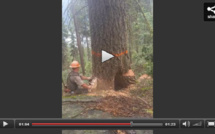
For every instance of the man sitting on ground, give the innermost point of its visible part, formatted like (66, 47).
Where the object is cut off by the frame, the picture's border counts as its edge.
(75, 82)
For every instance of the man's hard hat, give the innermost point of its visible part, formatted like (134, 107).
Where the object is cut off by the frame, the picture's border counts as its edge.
(74, 64)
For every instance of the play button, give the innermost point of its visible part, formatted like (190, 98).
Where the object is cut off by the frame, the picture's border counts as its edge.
(106, 56)
(5, 123)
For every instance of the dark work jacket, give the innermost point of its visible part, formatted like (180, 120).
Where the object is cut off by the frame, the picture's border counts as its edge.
(70, 81)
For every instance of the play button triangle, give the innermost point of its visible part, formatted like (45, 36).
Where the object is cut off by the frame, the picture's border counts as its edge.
(106, 56)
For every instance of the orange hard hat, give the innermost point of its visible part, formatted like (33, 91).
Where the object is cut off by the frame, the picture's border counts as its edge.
(74, 64)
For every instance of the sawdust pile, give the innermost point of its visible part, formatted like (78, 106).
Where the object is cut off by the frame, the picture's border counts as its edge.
(123, 106)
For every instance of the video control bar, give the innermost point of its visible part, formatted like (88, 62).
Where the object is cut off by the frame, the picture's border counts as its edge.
(107, 123)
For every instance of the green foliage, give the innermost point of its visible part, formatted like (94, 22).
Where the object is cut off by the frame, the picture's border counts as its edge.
(147, 52)
(88, 63)
(137, 63)
(65, 74)
(148, 66)
(150, 111)
(88, 68)
(141, 37)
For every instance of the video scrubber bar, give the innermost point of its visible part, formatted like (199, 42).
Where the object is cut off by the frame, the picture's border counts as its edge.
(96, 123)
(107, 123)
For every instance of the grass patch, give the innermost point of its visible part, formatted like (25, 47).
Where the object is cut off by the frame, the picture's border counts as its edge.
(81, 96)
(69, 97)
(150, 111)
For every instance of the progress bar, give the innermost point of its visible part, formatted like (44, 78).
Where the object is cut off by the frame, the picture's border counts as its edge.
(103, 123)
(80, 124)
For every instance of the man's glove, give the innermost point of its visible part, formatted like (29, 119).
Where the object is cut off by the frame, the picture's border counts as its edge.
(89, 78)
(89, 87)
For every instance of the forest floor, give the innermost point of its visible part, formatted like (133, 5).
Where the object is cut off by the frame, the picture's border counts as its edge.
(133, 102)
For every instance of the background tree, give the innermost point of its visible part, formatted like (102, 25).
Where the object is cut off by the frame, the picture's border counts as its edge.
(78, 39)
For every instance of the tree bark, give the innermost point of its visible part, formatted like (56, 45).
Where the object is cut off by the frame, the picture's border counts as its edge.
(78, 40)
(130, 37)
(129, 47)
(109, 32)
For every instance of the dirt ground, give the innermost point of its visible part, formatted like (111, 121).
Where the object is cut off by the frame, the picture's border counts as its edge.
(133, 102)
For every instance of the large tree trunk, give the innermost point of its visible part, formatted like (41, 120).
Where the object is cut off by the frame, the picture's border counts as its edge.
(78, 40)
(130, 38)
(130, 55)
(131, 42)
(109, 33)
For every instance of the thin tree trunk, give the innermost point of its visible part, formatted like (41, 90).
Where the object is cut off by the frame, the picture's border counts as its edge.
(88, 49)
(83, 53)
(74, 53)
(82, 46)
(78, 41)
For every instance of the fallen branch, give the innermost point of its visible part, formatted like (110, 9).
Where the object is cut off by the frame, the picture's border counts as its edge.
(143, 100)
